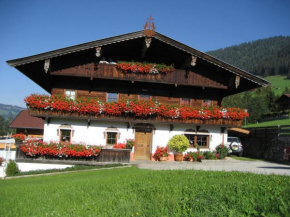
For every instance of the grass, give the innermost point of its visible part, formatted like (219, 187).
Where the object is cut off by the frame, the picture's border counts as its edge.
(135, 192)
(279, 82)
(243, 158)
(270, 123)
(74, 168)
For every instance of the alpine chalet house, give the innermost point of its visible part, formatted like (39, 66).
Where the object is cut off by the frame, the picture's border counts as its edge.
(141, 85)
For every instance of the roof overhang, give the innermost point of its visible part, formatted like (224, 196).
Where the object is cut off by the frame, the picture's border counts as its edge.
(139, 34)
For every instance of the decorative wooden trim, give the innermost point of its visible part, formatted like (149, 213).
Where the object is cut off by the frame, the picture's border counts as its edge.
(214, 122)
(46, 65)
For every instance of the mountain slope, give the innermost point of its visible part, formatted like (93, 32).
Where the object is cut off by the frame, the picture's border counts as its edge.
(264, 57)
(9, 110)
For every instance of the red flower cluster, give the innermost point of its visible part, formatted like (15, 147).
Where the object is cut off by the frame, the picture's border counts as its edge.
(144, 68)
(141, 109)
(187, 157)
(19, 136)
(160, 152)
(38, 148)
(120, 146)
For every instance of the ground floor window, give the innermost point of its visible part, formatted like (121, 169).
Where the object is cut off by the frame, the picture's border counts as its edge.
(65, 135)
(201, 140)
(111, 138)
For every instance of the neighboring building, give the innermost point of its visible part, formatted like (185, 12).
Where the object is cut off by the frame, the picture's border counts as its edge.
(28, 125)
(89, 70)
(284, 102)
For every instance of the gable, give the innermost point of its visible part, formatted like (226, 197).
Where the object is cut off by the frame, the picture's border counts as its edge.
(130, 47)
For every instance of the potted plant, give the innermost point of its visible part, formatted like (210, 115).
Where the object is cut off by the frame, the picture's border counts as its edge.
(19, 138)
(130, 143)
(179, 144)
(161, 154)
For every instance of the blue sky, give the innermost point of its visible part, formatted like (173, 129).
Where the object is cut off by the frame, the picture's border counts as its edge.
(31, 27)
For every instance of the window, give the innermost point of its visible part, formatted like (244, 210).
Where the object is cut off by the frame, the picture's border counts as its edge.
(111, 138)
(207, 103)
(185, 101)
(201, 140)
(112, 97)
(65, 135)
(144, 97)
(70, 94)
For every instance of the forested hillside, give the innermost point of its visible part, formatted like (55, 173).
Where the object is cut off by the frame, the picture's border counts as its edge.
(264, 57)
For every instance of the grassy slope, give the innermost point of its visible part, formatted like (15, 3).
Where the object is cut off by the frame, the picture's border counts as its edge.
(135, 192)
(279, 82)
(270, 123)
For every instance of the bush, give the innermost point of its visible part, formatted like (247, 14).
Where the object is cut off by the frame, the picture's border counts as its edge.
(209, 155)
(222, 151)
(12, 168)
(178, 143)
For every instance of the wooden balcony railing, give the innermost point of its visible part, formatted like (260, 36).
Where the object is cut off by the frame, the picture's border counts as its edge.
(132, 119)
(109, 71)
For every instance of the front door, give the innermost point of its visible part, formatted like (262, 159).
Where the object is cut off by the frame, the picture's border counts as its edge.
(142, 145)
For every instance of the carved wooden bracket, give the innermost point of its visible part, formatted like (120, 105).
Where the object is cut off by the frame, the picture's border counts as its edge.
(128, 125)
(190, 61)
(145, 47)
(197, 128)
(89, 123)
(148, 42)
(237, 82)
(98, 51)
(46, 65)
(171, 127)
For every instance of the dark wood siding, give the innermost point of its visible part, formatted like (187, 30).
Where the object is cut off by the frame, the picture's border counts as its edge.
(57, 91)
(102, 96)
(108, 71)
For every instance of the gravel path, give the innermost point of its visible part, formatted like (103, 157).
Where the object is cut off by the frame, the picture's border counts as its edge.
(230, 164)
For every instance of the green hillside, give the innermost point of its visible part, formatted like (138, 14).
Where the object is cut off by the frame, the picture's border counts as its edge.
(279, 83)
(9, 110)
(264, 57)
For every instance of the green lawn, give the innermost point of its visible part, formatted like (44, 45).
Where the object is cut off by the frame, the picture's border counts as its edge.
(270, 123)
(136, 192)
(279, 82)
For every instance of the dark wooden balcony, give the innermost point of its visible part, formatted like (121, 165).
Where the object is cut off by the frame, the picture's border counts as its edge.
(177, 77)
(131, 119)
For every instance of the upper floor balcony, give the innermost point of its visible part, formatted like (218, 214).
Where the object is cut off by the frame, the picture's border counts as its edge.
(132, 111)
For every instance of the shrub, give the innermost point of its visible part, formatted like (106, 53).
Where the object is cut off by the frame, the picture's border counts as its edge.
(222, 151)
(12, 168)
(193, 155)
(209, 155)
(178, 143)
(187, 157)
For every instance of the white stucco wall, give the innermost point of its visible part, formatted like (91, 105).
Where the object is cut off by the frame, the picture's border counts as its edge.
(94, 134)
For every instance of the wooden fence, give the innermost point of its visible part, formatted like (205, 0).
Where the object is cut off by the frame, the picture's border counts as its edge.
(269, 132)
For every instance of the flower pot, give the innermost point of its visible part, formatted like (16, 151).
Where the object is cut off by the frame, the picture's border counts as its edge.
(178, 157)
(163, 159)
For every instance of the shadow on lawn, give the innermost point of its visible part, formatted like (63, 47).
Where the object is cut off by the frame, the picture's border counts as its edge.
(282, 168)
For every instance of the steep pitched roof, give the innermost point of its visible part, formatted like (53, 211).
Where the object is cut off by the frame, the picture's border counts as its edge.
(24, 120)
(134, 35)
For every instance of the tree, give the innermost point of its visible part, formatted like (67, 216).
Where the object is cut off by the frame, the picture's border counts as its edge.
(3, 126)
(287, 90)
